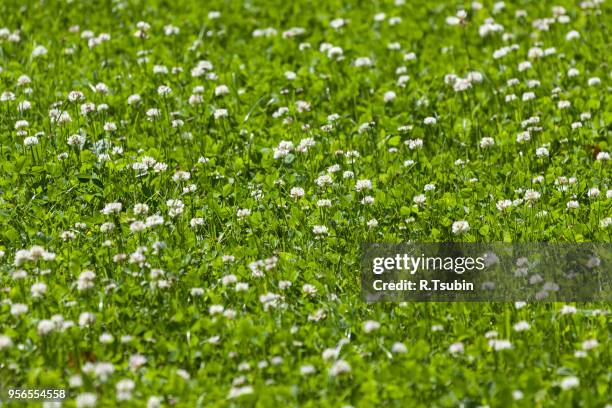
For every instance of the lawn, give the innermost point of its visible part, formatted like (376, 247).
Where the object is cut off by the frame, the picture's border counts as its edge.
(185, 189)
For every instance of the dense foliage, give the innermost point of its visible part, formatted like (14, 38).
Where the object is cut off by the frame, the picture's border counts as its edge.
(185, 187)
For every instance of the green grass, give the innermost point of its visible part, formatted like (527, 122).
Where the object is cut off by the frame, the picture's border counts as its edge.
(52, 195)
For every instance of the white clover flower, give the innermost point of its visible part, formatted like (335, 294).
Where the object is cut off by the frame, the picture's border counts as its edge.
(568, 383)
(269, 300)
(320, 230)
(450, 79)
(309, 289)
(7, 96)
(196, 222)
(76, 140)
(363, 184)
(367, 200)
(106, 338)
(283, 110)
(175, 207)
(364, 127)
(136, 360)
(458, 19)
(124, 389)
(389, 96)
(414, 144)
(30, 141)
(564, 104)
(153, 113)
(87, 108)
(531, 195)
(572, 205)
(363, 62)
(110, 127)
(23, 80)
(75, 381)
(236, 392)
(461, 85)
(593, 192)
(160, 69)
(339, 367)
(499, 345)
(220, 113)
(580, 354)
(567, 309)
(221, 90)
(196, 99)
(86, 400)
(164, 90)
(460, 227)
(542, 152)
(572, 35)
(86, 319)
(296, 193)
(370, 326)
(402, 80)
(45, 327)
(524, 66)
(533, 83)
(535, 52)
(503, 205)
(290, 75)
(196, 292)
(456, 348)
(590, 344)
(24, 106)
(399, 348)
(111, 208)
(137, 226)
(487, 142)
(527, 96)
(491, 334)
(21, 124)
(594, 81)
(520, 304)
(419, 199)
(86, 280)
(521, 326)
(19, 309)
(307, 369)
(283, 149)
(324, 203)
(38, 289)
(169, 30)
(243, 213)
(302, 106)
(39, 51)
(5, 342)
(181, 176)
